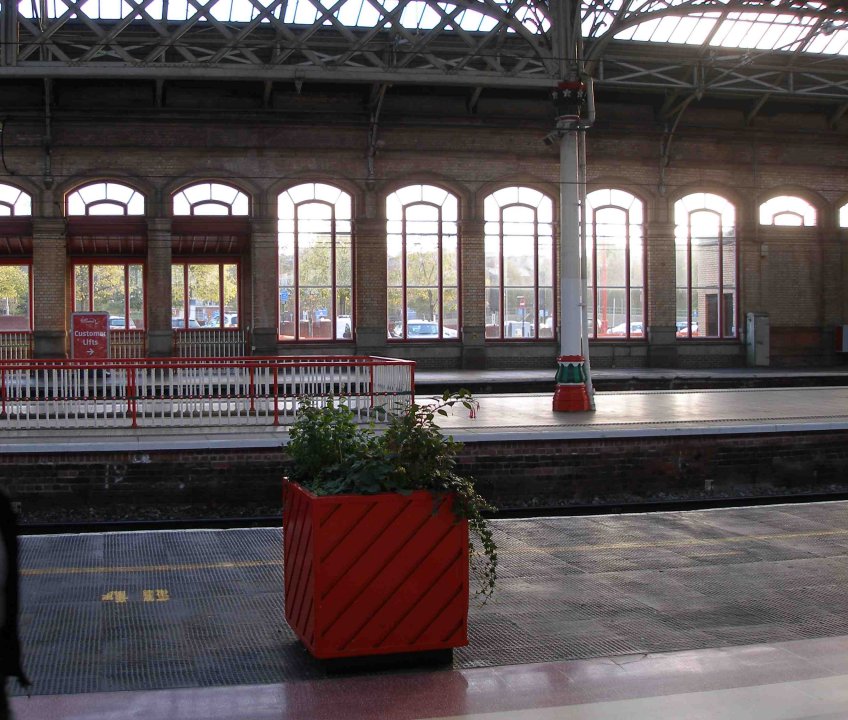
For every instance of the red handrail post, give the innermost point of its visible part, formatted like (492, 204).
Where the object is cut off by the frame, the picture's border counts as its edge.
(131, 404)
(252, 390)
(276, 398)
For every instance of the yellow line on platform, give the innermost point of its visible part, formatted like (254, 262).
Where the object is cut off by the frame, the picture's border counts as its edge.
(238, 564)
(693, 542)
(98, 569)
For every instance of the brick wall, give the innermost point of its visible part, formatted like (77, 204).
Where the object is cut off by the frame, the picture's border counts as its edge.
(323, 136)
(534, 473)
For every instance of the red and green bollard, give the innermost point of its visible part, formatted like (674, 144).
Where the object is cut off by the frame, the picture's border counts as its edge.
(571, 394)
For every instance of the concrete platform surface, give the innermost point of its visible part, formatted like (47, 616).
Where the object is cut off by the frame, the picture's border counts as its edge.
(515, 416)
(670, 615)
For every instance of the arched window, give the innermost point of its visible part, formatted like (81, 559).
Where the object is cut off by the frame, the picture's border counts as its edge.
(105, 198)
(787, 210)
(209, 198)
(615, 265)
(315, 255)
(705, 241)
(99, 282)
(209, 233)
(14, 202)
(843, 216)
(519, 264)
(423, 264)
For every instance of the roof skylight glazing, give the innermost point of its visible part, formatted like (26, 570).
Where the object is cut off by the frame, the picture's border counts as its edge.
(413, 14)
(791, 26)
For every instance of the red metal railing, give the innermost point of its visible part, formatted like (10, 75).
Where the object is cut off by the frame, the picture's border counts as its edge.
(150, 392)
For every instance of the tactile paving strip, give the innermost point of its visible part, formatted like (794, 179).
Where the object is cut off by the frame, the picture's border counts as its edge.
(132, 611)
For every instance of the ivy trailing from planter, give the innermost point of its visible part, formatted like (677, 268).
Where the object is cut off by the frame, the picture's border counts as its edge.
(334, 455)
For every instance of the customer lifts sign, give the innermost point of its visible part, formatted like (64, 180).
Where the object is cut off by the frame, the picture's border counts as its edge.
(90, 336)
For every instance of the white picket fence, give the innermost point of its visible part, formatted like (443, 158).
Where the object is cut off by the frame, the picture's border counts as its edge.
(195, 392)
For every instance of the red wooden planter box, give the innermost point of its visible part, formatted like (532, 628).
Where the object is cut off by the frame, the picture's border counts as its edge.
(374, 574)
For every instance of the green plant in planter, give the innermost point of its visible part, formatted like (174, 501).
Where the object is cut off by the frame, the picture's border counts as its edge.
(333, 455)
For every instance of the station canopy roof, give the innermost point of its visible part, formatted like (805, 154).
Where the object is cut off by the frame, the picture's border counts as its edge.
(753, 47)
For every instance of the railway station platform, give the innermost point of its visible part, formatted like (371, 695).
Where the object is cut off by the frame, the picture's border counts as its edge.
(730, 613)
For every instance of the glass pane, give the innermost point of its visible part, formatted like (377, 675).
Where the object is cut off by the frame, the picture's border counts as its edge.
(493, 312)
(287, 313)
(729, 262)
(178, 296)
(108, 290)
(610, 261)
(705, 319)
(450, 272)
(422, 261)
(394, 268)
(637, 313)
(231, 301)
(315, 258)
(344, 313)
(546, 261)
(519, 262)
(612, 312)
(637, 272)
(14, 297)
(135, 278)
(315, 320)
(682, 313)
(204, 287)
(82, 295)
(492, 250)
(395, 313)
(681, 264)
(705, 257)
(519, 313)
(729, 315)
(344, 260)
(423, 305)
(450, 314)
(546, 313)
(286, 259)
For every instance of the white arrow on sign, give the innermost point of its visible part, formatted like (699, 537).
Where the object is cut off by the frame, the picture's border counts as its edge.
(90, 351)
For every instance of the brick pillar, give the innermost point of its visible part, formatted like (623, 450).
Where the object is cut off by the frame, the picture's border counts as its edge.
(159, 330)
(662, 328)
(261, 297)
(371, 318)
(473, 286)
(50, 287)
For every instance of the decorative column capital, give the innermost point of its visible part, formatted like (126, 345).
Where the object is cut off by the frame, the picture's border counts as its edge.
(159, 230)
(49, 228)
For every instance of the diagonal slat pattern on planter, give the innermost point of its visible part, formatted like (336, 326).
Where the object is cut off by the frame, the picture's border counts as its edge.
(388, 574)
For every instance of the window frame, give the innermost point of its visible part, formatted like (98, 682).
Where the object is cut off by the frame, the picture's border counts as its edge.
(501, 286)
(22, 262)
(722, 289)
(592, 211)
(211, 201)
(316, 189)
(125, 262)
(185, 262)
(105, 201)
(798, 207)
(13, 206)
(440, 286)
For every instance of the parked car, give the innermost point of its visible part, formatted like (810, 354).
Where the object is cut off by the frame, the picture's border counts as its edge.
(422, 329)
(179, 323)
(119, 322)
(636, 328)
(682, 329)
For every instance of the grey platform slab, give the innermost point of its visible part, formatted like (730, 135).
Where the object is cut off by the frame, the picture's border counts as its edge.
(155, 610)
